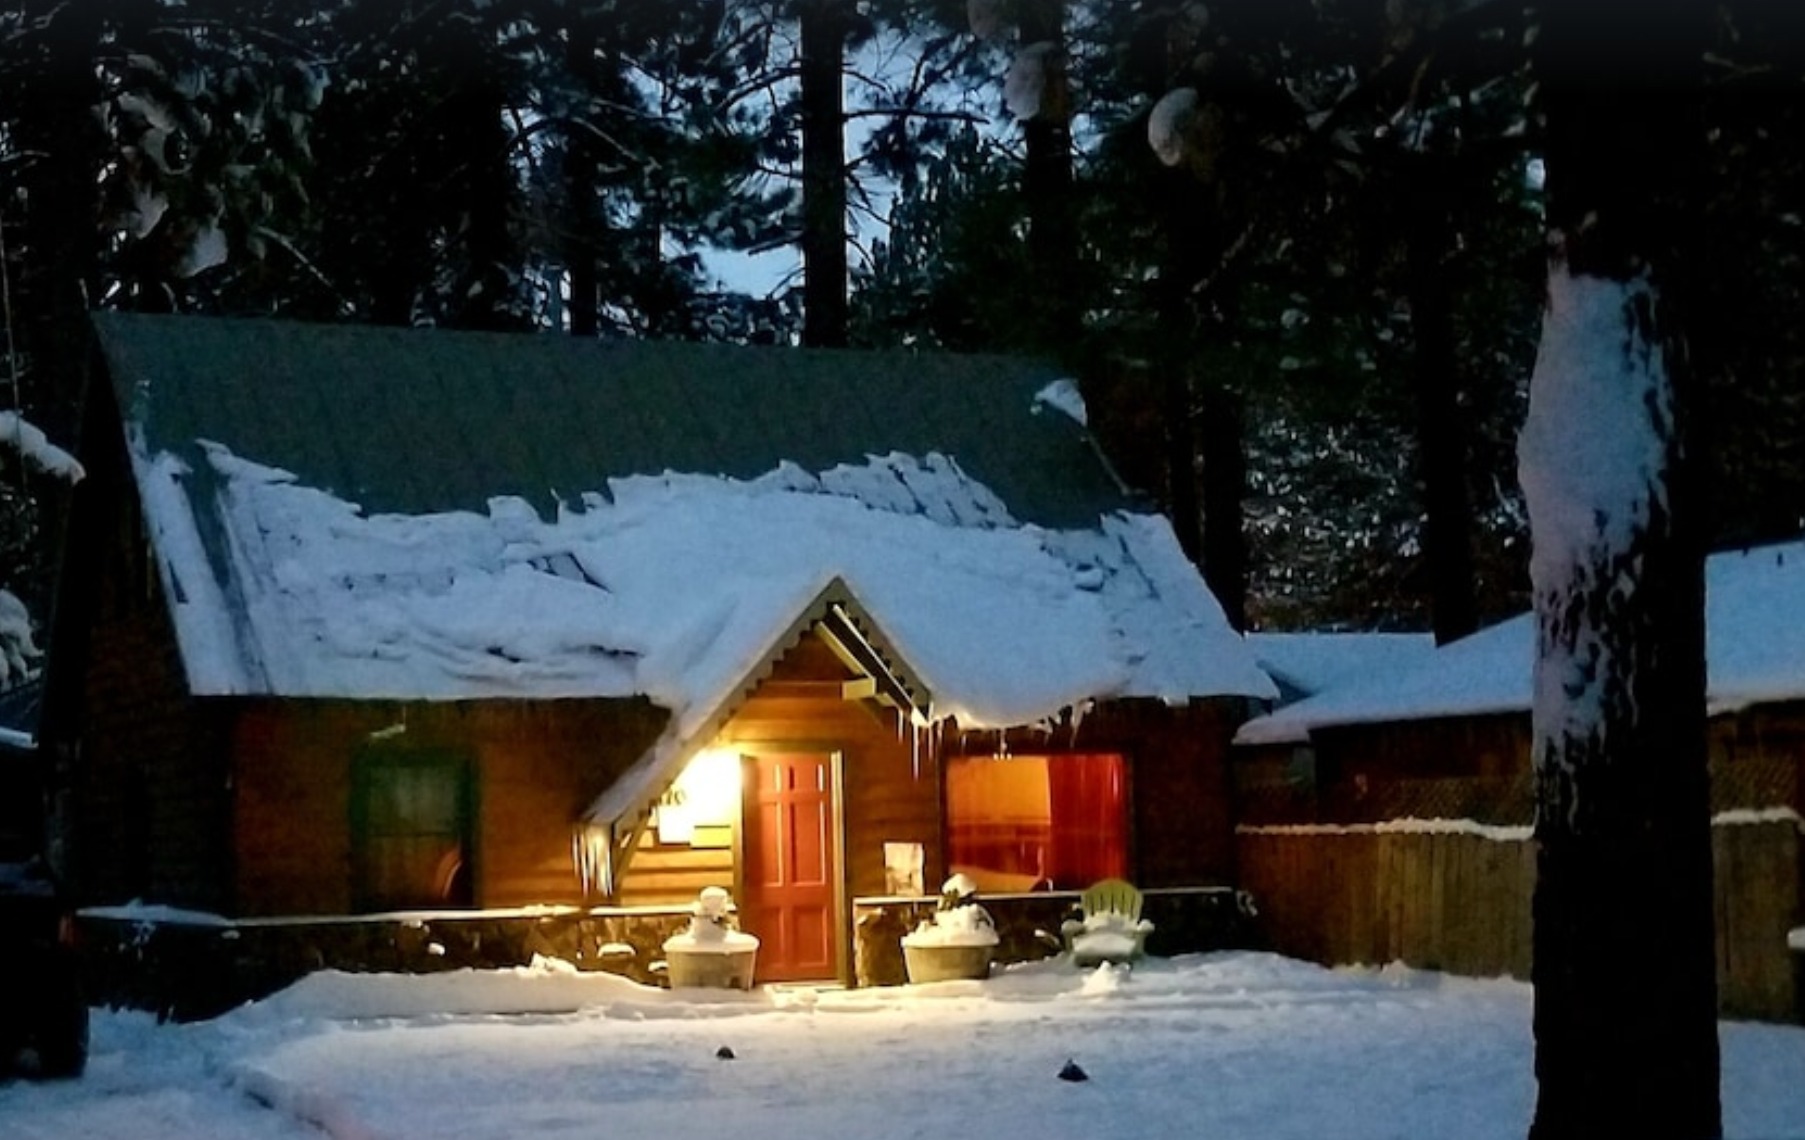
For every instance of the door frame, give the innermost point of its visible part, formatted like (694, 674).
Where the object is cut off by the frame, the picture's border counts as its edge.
(749, 752)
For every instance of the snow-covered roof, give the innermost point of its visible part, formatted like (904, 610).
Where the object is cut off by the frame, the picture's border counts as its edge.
(645, 580)
(1309, 663)
(1755, 654)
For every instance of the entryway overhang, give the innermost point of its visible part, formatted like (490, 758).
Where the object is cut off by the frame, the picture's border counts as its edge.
(609, 832)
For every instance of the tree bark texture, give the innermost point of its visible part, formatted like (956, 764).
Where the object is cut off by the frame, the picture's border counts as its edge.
(53, 234)
(1182, 500)
(1224, 502)
(824, 303)
(580, 182)
(1441, 425)
(1625, 1001)
(485, 296)
(1047, 188)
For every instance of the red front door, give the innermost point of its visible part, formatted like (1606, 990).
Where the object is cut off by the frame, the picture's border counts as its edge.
(788, 896)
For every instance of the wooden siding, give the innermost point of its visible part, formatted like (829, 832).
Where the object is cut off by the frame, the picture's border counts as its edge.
(151, 797)
(1458, 768)
(1478, 768)
(1440, 901)
(537, 765)
(143, 780)
(673, 875)
(1333, 888)
(889, 792)
(1461, 903)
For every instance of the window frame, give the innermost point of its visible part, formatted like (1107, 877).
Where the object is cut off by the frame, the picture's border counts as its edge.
(376, 757)
(1122, 853)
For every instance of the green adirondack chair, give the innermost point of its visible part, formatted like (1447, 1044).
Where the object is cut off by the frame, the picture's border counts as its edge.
(1111, 929)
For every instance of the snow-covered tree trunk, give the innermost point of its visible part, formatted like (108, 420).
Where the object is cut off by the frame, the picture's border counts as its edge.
(1625, 1004)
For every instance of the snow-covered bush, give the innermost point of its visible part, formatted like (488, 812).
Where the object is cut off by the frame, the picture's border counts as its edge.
(959, 920)
(18, 651)
(712, 927)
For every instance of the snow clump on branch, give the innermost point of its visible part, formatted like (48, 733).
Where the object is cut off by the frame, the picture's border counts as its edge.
(1026, 82)
(19, 434)
(18, 652)
(1169, 123)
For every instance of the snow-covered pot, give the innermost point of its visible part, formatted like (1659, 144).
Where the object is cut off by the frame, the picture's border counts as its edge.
(711, 954)
(946, 963)
(956, 943)
(715, 970)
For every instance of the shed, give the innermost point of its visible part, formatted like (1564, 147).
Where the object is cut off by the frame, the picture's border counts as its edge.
(1389, 815)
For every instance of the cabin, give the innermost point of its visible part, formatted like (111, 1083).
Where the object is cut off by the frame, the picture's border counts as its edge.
(451, 626)
(1389, 815)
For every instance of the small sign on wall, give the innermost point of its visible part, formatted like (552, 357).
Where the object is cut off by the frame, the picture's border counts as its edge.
(903, 869)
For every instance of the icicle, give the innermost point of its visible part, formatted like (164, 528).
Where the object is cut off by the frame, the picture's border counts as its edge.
(1078, 712)
(592, 851)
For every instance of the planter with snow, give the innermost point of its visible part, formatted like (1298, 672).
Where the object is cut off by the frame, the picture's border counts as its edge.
(956, 943)
(711, 954)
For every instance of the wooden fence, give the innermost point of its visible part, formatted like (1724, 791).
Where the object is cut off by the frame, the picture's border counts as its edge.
(1457, 899)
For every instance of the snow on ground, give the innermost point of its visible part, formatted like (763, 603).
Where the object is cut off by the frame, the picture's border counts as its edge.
(1221, 1045)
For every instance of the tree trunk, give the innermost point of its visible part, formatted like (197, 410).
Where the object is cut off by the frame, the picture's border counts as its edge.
(1625, 999)
(1441, 427)
(485, 297)
(54, 224)
(1224, 500)
(579, 182)
(1182, 504)
(824, 305)
(1047, 183)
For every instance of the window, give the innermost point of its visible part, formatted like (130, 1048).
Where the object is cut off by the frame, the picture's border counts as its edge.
(1021, 823)
(410, 826)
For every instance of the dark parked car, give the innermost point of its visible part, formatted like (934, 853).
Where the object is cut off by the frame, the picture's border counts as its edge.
(43, 1011)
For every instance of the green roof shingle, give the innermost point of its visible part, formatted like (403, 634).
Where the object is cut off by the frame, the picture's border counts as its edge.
(416, 421)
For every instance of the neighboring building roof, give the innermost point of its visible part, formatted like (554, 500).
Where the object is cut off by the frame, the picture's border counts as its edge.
(1304, 664)
(354, 511)
(1755, 654)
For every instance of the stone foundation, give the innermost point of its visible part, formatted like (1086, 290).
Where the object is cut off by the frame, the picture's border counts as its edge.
(198, 967)
(195, 968)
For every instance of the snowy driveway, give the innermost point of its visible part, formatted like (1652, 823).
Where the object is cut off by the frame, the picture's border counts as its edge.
(1223, 1045)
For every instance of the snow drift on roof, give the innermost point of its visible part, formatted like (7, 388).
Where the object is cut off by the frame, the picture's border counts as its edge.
(1755, 653)
(675, 587)
(1313, 662)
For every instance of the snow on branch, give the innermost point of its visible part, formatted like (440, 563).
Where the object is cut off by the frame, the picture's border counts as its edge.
(1026, 83)
(18, 652)
(21, 435)
(1168, 123)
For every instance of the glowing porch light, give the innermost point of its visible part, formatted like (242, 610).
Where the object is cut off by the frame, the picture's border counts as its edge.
(704, 797)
